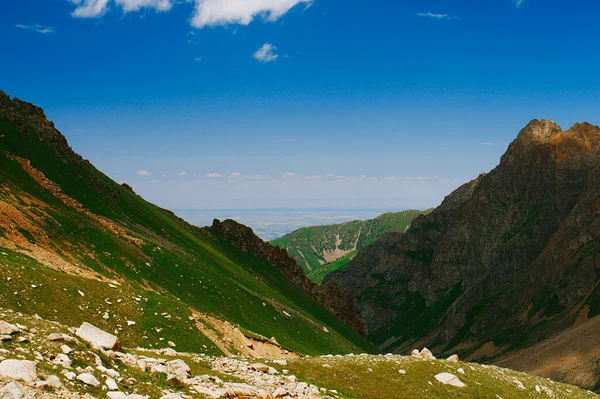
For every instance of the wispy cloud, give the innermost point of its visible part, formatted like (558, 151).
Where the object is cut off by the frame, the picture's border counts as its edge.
(97, 8)
(435, 15)
(214, 175)
(287, 175)
(44, 30)
(198, 59)
(519, 3)
(142, 172)
(235, 175)
(266, 53)
(181, 173)
(314, 177)
(242, 12)
(391, 178)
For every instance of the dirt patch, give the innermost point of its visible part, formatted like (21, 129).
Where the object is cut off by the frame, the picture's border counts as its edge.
(231, 340)
(57, 192)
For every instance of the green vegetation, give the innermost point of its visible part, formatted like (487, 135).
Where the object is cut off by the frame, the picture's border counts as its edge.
(376, 377)
(319, 274)
(323, 249)
(172, 265)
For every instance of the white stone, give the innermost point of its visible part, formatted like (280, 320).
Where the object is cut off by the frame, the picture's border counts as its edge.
(111, 384)
(24, 370)
(461, 370)
(97, 338)
(171, 396)
(426, 354)
(14, 390)
(116, 395)
(450, 379)
(453, 358)
(70, 375)
(88, 379)
(62, 360)
(403, 372)
(8, 329)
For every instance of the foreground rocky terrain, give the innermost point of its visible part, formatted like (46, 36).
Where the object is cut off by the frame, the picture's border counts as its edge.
(507, 261)
(42, 359)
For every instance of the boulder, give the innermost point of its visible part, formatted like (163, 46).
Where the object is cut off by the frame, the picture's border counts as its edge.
(171, 396)
(111, 384)
(98, 338)
(24, 370)
(453, 358)
(6, 338)
(116, 395)
(450, 379)
(14, 390)
(206, 391)
(178, 368)
(8, 329)
(88, 379)
(61, 337)
(426, 354)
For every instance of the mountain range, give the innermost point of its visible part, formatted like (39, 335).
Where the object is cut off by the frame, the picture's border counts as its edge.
(505, 271)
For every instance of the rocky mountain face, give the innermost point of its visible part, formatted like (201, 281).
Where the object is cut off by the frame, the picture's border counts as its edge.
(506, 260)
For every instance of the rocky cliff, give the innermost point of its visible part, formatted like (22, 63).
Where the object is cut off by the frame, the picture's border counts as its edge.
(507, 259)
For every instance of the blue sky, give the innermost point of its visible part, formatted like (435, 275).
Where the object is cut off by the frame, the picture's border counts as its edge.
(290, 103)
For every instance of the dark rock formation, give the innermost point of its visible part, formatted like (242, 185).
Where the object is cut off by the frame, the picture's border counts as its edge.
(510, 257)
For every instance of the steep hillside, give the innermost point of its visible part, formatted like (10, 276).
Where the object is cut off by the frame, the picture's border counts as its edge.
(505, 262)
(76, 246)
(322, 249)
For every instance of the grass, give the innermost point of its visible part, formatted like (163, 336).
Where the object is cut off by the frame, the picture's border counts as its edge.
(376, 377)
(317, 275)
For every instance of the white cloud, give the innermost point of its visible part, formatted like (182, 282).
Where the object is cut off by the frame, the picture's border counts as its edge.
(198, 59)
(224, 12)
(235, 175)
(314, 177)
(391, 178)
(44, 30)
(435, 16)
(287, 175)
(96, 8)
(181, 173)
(214, 175)
(519, 3)
(143, 173)
(267, 53)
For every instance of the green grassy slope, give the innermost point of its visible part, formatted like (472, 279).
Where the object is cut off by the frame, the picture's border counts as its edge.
(323, 249)
(183, 265)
